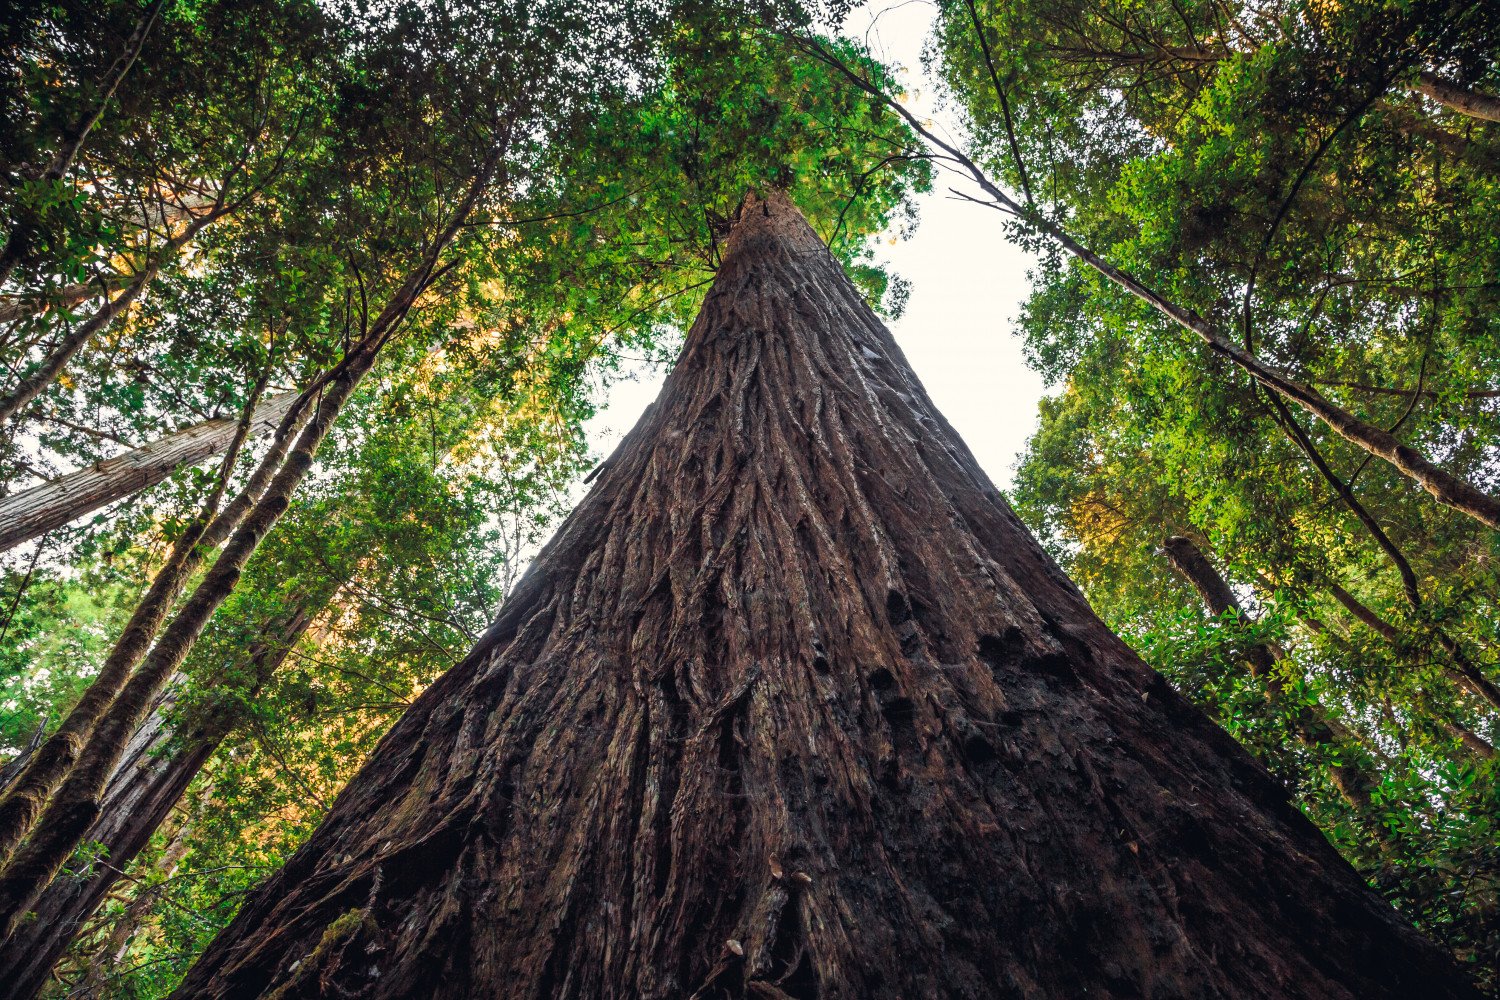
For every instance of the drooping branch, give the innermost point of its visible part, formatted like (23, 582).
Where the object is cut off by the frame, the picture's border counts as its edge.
(1444, 486)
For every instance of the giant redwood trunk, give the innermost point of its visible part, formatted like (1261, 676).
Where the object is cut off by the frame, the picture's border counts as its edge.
(793, 706)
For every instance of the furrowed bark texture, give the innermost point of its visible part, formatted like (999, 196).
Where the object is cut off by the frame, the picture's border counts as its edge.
(141, 796)
(794, 707)
(36, 511)
(142, 793)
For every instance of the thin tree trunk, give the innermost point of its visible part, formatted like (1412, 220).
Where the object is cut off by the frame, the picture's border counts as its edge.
(142, 793)
(17, 242)
(1463, 671)
(1350, 767)
(793, 707)
(34, 512)
(75, 805)
(36, 380)
(26, 796)
(1444, 486)
(1472, 103)
(43, 375)
(103, 967)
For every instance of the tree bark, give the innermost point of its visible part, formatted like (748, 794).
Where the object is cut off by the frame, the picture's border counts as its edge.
(791, 707)
(1472, 103)
(142, 793)
(1350, 767)
(34, 512)
(38, 378)
(14, 307)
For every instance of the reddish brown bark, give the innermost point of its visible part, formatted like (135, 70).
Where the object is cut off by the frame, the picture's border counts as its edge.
(793, 707)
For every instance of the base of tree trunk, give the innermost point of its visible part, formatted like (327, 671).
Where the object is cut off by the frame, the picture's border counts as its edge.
(794, 707)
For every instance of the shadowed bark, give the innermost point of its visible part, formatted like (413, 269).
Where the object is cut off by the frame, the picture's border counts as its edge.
(36, 511)
(792, 706)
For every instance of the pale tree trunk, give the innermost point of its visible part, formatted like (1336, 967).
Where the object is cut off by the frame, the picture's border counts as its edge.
(75, 805)
(1472, 103)
(37, 379)
(1350, 767)
(15, 307)
(34, 512)
(792, 706)
(145, 788)
(103, 968)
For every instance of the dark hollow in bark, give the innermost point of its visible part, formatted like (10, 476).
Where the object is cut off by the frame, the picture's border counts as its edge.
(36, 511)
(794, 707)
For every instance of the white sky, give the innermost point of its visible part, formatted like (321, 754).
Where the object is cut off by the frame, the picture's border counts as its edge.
(967, 288)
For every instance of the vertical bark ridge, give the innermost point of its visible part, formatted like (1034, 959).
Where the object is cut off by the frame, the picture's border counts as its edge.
(793, 707)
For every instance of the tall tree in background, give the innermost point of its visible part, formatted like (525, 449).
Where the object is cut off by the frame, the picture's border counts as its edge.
(792, 706)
